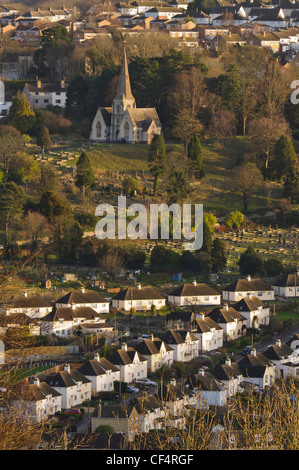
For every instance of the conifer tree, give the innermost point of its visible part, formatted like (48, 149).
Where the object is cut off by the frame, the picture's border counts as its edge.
(20, 115)
(194, 153)
(85, 177)
(156, 159)
(218, 255)
(43, 139)
(284, 159)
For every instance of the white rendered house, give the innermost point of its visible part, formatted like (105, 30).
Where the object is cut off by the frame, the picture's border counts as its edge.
(188, 295)
(244, 287)
(131, 364)
(138, 298)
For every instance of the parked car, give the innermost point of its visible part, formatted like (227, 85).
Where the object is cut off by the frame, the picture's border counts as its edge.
(246, 350)
(146, 382)
(73, 411)
(131, 389)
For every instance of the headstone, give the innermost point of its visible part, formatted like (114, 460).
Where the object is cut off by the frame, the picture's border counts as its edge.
(2, 353)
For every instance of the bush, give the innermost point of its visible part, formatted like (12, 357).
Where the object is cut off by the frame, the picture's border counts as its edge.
(234, 219)
(87, 220)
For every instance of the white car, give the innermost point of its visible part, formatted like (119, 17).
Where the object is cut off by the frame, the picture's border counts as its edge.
(146, 382)
(131, 389)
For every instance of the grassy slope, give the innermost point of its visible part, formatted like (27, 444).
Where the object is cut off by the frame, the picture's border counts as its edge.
(212, 191)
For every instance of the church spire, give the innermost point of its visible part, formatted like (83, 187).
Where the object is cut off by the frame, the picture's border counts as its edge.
(124, 86)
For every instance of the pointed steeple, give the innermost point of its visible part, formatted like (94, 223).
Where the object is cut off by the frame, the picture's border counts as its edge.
(124, 86)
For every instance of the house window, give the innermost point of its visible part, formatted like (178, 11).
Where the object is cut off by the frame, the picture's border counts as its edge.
(99, 129)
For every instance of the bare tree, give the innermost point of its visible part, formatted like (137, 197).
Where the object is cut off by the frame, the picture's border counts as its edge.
(245, 180)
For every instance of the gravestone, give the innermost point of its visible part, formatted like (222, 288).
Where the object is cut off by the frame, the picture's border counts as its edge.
(2, 353)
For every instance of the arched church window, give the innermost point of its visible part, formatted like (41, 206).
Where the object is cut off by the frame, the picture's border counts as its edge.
(99, 129)
(127, 130)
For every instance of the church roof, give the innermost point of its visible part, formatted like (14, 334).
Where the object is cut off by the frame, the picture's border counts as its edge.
(143, 117)
(124, 87)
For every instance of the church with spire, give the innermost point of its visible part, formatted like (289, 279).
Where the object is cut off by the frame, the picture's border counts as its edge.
(123, 122)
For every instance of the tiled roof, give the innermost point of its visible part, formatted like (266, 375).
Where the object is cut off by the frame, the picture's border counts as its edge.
(189, 290)
(133, 293)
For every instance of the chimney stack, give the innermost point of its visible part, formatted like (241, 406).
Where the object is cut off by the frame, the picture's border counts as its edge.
(194, 282)
(253, 351)
(228, 361)
(278, 342)
(138, 286)
(248, 278)
(97, 357)
(124, 346)
(67, 368)
(201, 372)
(36, 381)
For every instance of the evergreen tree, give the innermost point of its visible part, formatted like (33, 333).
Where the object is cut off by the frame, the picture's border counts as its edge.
(194, 154)
(51, 36)
(85, 177)
(291, 183)
(20, 115)
(250, 262)
(51, 205)
(43, 139)
(12, 199)
(218, 255)
(284, 158)
(156, 159)
(207, 238)
(178, 187)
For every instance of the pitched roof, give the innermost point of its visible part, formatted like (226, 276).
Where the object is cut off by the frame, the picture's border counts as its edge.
(143, 117)
(205, 381)
(245, 285)
(146, 403)
(69, 313)
(289, 279)
(226, 371)
(256, 359)
(45, 87)
(177, 336)
(225, 315)
(31, 301)
(276, 352)
(61, 379)
(96, 367)
(125, 356)
(190, 290)
(115, 411)
(82, 298)
(205, 325)
(181, 316)
(147, 347)
(248, 304)
(133, 293)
